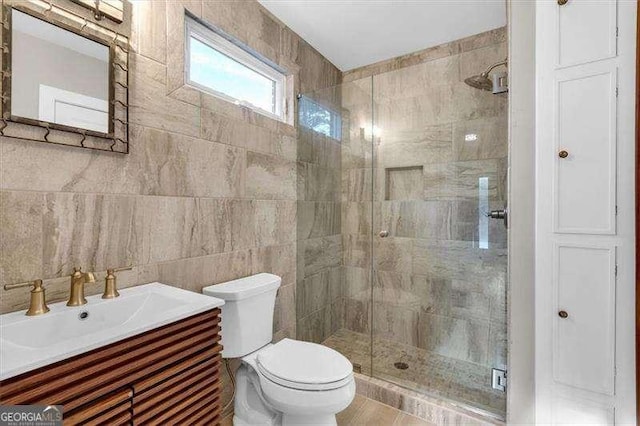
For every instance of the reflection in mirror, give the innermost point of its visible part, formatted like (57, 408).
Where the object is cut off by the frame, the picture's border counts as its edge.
(58, 76)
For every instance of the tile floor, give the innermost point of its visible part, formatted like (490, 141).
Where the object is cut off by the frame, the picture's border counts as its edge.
(364, 411)
(427, 372)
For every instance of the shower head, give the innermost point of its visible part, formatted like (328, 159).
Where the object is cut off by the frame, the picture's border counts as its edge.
(483, 81)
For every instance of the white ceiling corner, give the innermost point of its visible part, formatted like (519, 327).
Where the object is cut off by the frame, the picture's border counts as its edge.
(354, 33)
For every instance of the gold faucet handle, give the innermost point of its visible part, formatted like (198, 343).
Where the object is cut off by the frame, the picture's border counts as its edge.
(110, 288)
(34, 284)
(37, 303)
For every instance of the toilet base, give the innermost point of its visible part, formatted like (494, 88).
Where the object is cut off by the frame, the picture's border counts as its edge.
(327, 420)
(285, 420)
(250, 408)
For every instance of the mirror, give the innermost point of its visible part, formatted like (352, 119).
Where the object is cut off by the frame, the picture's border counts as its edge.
(58, 76)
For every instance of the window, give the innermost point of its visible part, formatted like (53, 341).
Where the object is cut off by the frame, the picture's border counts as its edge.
(319, 118)
(223, 67)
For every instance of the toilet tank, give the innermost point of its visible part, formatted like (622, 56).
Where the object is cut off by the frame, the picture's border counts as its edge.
(247, 315)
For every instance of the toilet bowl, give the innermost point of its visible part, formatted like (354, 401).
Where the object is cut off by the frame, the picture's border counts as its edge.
(286, 383)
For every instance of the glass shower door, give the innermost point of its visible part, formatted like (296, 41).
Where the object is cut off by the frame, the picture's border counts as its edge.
(439, 261)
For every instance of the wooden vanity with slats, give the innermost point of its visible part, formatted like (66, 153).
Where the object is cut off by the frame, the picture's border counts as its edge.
(166, 376)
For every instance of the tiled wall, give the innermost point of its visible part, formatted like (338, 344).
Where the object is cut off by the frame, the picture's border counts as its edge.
(207, 194)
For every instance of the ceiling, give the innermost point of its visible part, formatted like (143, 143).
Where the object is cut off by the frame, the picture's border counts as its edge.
(353, 33)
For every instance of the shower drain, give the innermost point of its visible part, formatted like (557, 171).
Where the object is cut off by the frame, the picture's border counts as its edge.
(401, 365)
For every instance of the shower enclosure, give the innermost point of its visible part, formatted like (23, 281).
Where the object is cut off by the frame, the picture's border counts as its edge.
(400, 266)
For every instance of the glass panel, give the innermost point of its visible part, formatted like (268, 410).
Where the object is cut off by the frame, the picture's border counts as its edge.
(399, 266)
(333, 293)
(319, 118)
(215, 70)
(439, 288)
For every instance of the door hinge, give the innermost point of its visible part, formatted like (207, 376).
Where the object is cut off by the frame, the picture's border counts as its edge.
(499, 379)
(615, 270)
(616, 92)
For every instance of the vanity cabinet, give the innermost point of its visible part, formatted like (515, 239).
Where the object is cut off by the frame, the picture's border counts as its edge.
(169, 375)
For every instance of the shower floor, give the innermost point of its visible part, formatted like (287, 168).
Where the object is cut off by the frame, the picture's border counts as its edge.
(426, 371)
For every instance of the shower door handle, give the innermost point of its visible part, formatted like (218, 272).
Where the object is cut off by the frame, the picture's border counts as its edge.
(500, 214)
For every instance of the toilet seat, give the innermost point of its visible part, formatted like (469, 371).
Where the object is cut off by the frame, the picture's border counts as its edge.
(304, 366)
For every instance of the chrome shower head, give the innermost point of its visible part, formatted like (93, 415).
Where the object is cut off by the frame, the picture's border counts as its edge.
(481, 82)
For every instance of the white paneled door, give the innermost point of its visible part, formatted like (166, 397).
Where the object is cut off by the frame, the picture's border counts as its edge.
(584, 328)
(585, 215)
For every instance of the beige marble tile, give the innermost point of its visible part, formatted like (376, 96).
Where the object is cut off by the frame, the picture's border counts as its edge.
(346, 416)
(459, 260)
(480, 139)
(321, 253)
(60, 168)
(175, 11)
(316, 183)
(149, 105)
(284, 314)
(275, 222)
(415, 146)
(177, 165)
(174, 232)
(223, 129)
(318, 219)
(95, 232)
(498, 345)
(461, 180)
(150, 29)
(465, 340)
(197, 272)
(316, 292)
(270, 177)
(409, 420)
(375, 413)
(406, 82)
(358, 315)
(21, 243)
(393, 254)
(356, 217)
(279, 260)
(357, 185)
(357, 250)
(316, 326)
(357, 282)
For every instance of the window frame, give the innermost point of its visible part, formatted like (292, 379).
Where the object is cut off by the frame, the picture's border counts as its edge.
(241, 54)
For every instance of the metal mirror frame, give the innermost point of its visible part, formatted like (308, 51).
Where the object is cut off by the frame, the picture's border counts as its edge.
(11, 126)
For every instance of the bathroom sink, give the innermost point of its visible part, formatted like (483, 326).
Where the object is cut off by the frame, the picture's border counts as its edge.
(27, 343)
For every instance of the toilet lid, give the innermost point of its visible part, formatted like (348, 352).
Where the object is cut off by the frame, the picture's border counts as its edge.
(304, 365)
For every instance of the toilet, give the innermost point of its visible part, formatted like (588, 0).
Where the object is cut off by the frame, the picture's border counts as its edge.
(286, 383)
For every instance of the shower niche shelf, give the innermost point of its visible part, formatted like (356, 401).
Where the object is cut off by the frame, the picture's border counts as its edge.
(404, 183)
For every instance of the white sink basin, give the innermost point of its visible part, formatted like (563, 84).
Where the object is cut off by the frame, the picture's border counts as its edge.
(27, 343)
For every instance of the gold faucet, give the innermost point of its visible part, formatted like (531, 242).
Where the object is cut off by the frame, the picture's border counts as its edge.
(110, 288)
(78, 280)
(37, 304)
